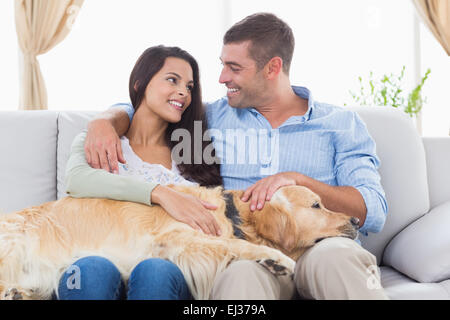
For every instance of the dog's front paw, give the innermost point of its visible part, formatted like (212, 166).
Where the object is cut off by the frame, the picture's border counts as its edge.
(12, 294)
(275, 267)
(15, 293)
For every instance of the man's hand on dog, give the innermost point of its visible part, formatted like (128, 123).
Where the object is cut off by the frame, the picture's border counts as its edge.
(102, 147)
(187, 209)
(264, 189)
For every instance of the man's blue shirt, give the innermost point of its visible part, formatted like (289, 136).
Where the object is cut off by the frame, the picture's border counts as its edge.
(328, 143)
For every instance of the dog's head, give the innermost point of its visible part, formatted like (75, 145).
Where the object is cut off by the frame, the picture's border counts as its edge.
(295, 219)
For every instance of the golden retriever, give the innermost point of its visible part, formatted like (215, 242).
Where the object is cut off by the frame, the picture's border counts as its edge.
(38, 244)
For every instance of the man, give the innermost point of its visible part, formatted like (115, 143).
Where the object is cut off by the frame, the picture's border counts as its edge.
(322, 147)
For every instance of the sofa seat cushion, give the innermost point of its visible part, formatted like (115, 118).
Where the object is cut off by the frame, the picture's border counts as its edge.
(28, 158)
(400, 287)
(422, 250)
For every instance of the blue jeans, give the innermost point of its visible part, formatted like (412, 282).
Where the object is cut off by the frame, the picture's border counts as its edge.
(97, 278)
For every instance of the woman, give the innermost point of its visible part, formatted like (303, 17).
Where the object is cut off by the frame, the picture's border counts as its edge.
(165, 93)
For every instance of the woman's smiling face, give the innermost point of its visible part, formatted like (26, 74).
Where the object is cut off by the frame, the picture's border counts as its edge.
(168, 93)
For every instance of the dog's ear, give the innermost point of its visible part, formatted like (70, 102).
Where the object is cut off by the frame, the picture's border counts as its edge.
(275, 224)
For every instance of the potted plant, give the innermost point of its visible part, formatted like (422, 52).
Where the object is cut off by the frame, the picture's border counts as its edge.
(388, 91)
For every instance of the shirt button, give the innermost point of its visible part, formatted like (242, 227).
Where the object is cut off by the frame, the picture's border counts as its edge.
(265, 161)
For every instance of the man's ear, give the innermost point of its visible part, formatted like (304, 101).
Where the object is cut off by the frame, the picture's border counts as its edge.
(276, 225)
(274, 67)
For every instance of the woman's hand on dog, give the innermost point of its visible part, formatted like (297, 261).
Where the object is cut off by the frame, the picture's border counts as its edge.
(263, 190)
(187, 209)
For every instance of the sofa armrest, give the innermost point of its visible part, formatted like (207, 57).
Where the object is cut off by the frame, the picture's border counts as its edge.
(437, 150)
(422, 250)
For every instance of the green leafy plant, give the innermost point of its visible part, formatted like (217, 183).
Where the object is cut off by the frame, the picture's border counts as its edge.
(388, 91)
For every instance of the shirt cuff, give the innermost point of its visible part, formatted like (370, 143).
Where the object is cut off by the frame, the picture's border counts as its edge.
(376, 211)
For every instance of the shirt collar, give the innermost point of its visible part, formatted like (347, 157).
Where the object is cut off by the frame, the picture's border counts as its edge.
(304, 93)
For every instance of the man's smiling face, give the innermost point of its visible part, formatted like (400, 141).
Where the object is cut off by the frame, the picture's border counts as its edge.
(245, 83)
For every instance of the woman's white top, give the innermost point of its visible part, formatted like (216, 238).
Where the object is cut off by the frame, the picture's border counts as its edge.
(149, 172)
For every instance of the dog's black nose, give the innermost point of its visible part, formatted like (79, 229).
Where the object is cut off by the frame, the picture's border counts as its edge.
(355, 222)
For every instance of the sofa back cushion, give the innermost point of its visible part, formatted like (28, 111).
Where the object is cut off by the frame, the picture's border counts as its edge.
(28, 158)
(403, 172)
(70, 124)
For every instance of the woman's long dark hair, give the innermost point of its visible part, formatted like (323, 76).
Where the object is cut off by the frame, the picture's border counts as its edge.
(148, 64)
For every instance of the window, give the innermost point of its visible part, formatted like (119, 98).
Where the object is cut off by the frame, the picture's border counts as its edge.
(9, 62)
(436, 113)
(336, 42)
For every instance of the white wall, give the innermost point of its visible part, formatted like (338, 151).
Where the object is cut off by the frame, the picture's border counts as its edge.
(336, 41)
(9, 58)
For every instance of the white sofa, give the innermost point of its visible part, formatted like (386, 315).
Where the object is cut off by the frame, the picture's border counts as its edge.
(413, 249)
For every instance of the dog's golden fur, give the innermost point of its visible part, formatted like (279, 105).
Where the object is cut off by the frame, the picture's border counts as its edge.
(37, 244)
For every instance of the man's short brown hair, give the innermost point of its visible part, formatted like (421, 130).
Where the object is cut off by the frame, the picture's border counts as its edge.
(270, 37)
